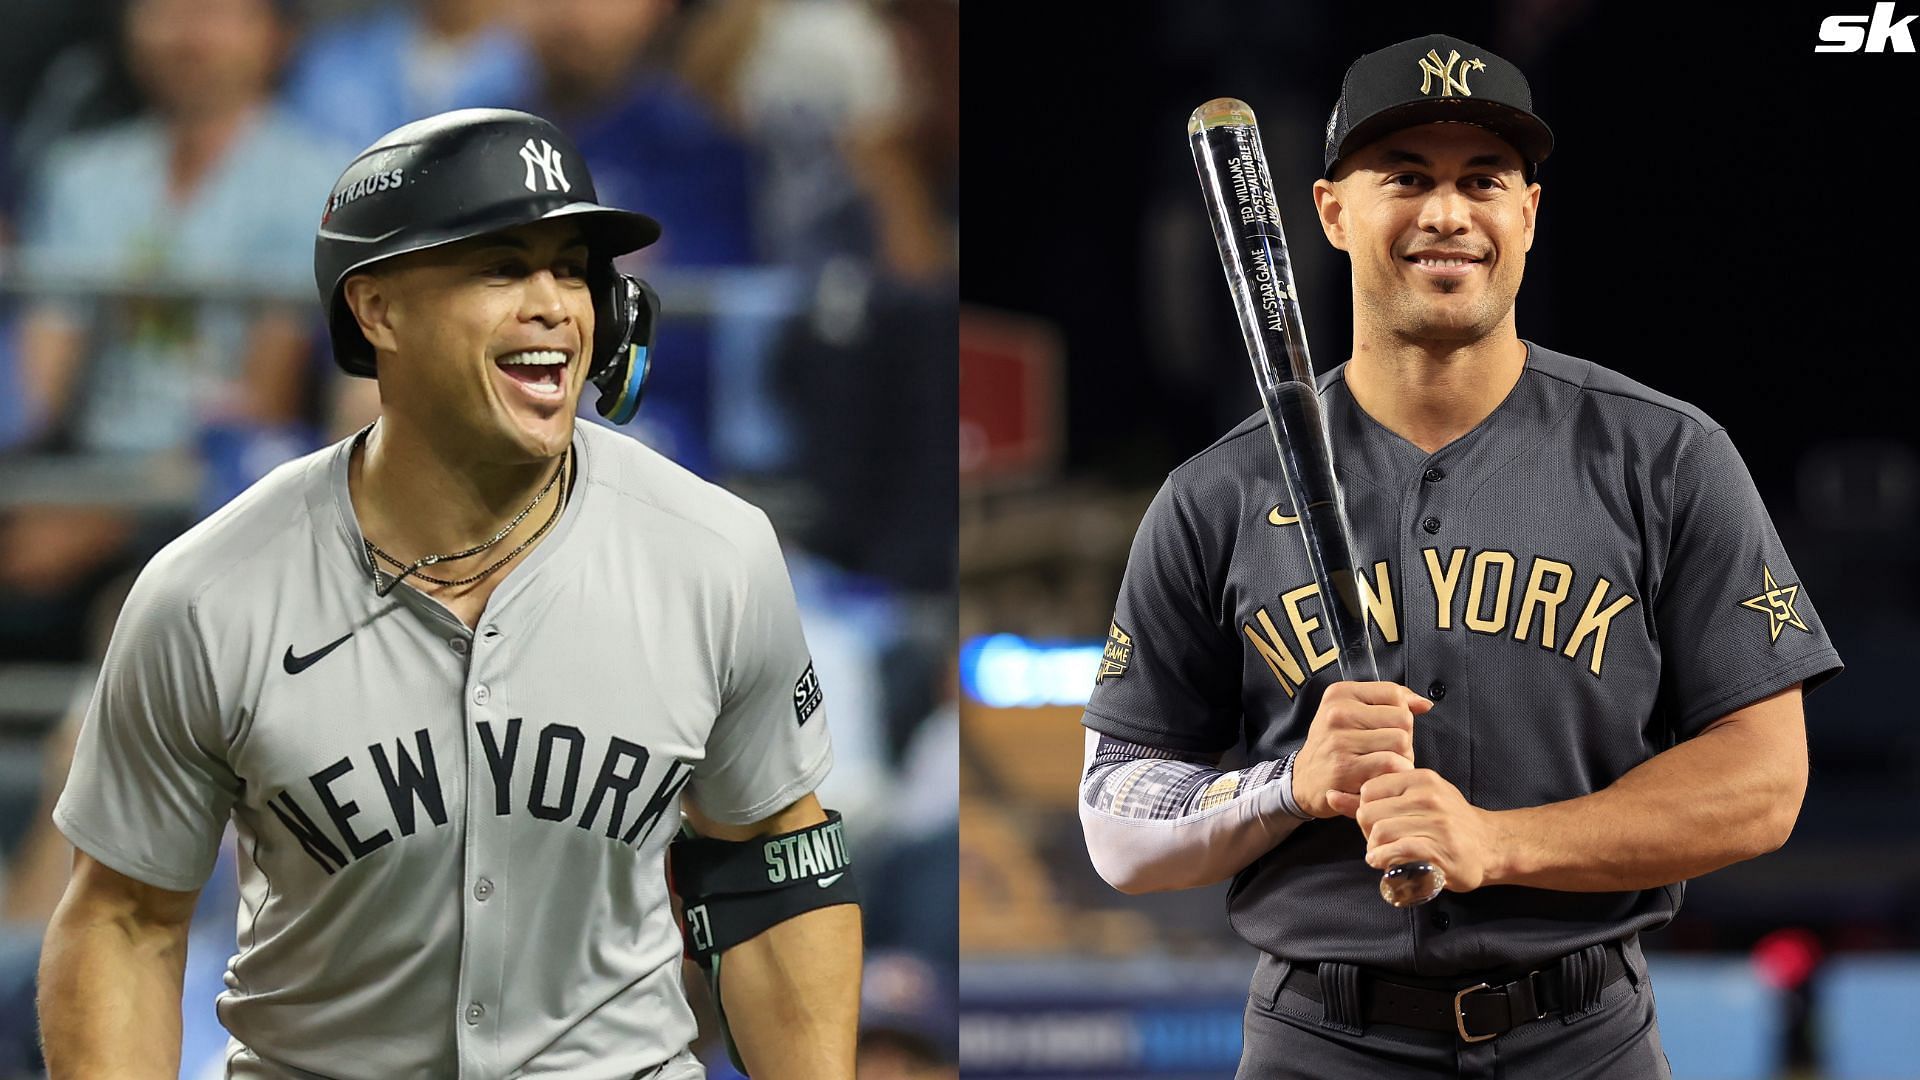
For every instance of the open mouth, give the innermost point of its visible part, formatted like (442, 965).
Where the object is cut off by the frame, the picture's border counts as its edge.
(542, 373)
(1444, 265)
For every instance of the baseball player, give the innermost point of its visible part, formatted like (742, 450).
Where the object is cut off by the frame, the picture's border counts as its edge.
(454, 681)
(1596, 644)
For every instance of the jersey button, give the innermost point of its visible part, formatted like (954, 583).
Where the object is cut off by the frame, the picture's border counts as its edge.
(1432, 524)
(482, 695)
(1433, 476)
(458, 644)
(1437, 691)
(482, 889)
(1440, 919)
(475, 1011)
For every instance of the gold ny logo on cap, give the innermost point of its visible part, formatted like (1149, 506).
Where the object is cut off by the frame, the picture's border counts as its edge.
(1431, 67)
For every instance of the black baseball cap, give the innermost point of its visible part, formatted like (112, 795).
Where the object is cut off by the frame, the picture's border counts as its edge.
(1430, 79)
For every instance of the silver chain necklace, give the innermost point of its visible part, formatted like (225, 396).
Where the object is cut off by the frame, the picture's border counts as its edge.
(413, 569)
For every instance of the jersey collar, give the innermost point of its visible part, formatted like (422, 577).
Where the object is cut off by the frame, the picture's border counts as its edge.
(330, 506)
(1368, 449)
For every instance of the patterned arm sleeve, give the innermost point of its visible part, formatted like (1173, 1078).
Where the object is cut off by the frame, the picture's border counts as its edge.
(1165, 819)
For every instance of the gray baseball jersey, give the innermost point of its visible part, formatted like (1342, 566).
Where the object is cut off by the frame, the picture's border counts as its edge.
(452, 842)
(1582, 580)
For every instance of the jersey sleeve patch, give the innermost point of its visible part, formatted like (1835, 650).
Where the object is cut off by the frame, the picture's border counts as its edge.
(1776, 602)
(806, 696)
(1113, 659)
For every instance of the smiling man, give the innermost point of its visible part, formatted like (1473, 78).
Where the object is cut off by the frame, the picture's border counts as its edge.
(456, 681)
(1608, 642)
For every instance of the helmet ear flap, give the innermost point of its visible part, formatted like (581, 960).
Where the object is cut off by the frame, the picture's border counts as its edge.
(351, 349)
(626, 311)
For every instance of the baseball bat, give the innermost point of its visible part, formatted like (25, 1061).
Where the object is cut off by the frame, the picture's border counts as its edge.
(1225, 140)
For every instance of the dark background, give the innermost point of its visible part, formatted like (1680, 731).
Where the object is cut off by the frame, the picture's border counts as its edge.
(1721, 216)
(1725, 218)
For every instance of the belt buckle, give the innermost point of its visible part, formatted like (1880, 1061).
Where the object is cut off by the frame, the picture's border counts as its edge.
(1460, 1018)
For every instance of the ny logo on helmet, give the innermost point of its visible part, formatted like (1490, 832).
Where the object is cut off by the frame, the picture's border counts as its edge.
(548, 160)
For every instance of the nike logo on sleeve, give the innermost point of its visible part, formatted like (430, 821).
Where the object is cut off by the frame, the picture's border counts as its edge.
(297, 664)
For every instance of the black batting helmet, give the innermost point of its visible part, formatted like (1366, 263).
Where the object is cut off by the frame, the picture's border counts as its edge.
(471, 172)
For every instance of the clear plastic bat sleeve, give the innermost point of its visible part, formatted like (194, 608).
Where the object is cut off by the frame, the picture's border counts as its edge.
(1225, 140)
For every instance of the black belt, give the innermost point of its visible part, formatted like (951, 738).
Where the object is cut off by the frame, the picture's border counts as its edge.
(1477, 1011)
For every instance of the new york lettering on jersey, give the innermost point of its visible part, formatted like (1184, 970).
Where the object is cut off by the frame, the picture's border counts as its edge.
(1296, 646)
(411, 793)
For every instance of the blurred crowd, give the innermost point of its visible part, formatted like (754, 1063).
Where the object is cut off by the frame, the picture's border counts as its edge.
(161, 347)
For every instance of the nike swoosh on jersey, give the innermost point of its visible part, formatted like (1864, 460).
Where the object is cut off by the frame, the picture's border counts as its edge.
(826, 881)
(297, 664)
(1274, 518)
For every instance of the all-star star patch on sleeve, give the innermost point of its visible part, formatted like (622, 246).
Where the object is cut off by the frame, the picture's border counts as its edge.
(769, 745)
(1735, 620)
(150, 788)
(1169, 675)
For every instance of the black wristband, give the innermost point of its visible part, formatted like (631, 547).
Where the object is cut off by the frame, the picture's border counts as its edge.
(735, 890)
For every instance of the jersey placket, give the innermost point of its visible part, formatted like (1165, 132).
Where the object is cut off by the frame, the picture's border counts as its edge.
(484, 929)
(481, 977)
(1435, 659)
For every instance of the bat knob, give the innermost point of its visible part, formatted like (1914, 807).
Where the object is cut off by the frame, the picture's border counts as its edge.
(1411, 884)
